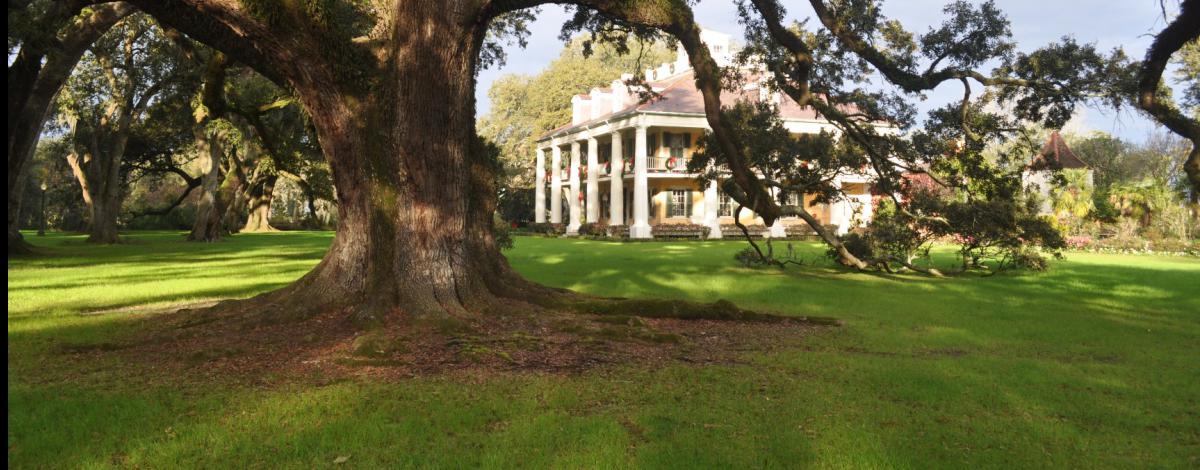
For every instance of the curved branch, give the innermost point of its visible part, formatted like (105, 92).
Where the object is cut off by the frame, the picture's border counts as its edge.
(274, 52)
(1183, 29)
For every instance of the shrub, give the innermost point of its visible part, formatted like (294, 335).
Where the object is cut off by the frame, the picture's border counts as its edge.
(680, 231)
(1028, 258)
(617, 231)
(749, 258)
(756, 230)
(591, 230)
(546, 228)
(858, 244)
(502, 232)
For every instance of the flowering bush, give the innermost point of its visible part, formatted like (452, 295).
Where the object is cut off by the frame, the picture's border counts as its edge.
(1079, 242)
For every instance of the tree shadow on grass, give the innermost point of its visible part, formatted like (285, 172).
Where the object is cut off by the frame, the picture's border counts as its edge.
(1042, 397)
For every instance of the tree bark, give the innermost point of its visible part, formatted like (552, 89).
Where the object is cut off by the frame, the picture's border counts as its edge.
(415, 199)
(207, 227)
(235, 198)
(98, 172)
(258, 201)
(34, 78)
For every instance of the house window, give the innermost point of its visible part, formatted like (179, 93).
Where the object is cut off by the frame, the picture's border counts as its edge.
(652, 145)
(679, 143)
(679, 203)
(792, 200)
(725, 208)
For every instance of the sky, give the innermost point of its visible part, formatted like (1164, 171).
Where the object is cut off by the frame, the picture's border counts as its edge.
(1107, 23)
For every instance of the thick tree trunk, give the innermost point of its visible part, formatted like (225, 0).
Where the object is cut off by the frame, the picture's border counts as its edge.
(258, 218)
(99, 176)
(207, 227)
(235, 193)
(415, 190)
(16, 243)
(105, 212)
(235, 205)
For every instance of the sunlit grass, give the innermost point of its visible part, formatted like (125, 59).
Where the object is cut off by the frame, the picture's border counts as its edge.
(1093, 364)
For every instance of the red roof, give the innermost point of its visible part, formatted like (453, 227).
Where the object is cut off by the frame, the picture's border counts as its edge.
(1055, 154)
(682, 96)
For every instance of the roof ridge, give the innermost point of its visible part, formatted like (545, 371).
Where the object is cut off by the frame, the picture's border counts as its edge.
(667, 88)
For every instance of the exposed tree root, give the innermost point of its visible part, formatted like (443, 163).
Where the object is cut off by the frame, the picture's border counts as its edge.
(276, 335)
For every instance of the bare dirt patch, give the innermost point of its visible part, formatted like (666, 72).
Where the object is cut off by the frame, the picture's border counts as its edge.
(193, 345)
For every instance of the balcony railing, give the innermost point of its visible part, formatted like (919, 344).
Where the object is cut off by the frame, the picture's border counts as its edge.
(653, 164)
(667, 164)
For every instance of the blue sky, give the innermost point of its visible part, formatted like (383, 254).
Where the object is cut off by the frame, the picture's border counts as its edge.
(1108, 23)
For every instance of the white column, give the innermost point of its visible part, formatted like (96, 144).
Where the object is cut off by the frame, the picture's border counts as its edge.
(616, 182)
(641, 190)
(593, 180)
(539, 193)
(712, 202)
(573, 197)
(556, 184)
(839, 213)
(776, 230)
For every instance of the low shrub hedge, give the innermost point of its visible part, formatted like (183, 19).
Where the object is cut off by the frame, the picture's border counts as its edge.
(680, 231)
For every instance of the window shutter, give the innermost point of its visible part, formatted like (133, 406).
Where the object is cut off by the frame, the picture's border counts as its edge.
(687, 140)
(687, 203)
(670, 202)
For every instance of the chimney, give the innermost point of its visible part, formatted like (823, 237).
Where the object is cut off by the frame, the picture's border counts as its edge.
(601, 103)
(580, 109)
(620, 93)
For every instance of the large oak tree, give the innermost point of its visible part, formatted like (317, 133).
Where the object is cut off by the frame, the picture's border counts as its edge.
(104, 102)
(50, 37)
(389, 86)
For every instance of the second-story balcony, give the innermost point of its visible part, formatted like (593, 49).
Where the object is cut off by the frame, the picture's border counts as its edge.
(656, 165)
(667, 164)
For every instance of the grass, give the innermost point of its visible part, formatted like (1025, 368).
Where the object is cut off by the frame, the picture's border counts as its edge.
(1095, 364)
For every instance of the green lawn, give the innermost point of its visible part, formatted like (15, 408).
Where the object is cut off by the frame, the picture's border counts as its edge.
(1095, 364)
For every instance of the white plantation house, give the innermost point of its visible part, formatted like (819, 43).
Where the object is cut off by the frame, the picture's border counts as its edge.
(624, 163)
